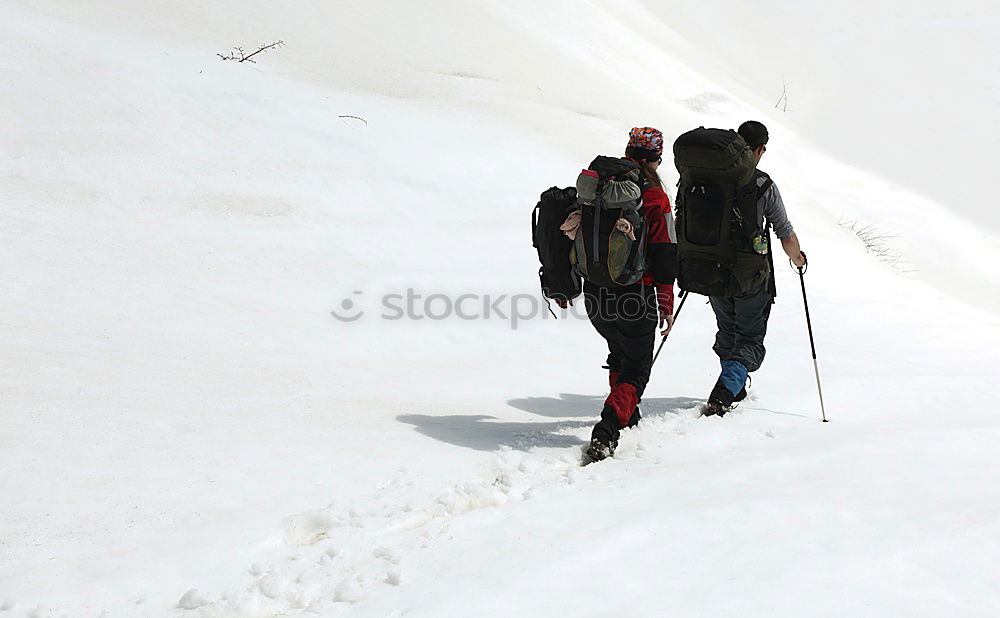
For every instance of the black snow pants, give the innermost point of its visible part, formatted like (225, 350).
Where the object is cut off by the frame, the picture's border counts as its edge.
(627, 318)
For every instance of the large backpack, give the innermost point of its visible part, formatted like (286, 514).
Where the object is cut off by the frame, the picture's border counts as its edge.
(720, 246)
(559, 281)
(609, 196)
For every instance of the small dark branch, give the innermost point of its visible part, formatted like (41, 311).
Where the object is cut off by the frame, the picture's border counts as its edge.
(264, 48)
(239, 55)
(354, 118)
(236, 54)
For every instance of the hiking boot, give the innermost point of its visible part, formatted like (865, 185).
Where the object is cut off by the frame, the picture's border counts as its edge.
(598, 450)
(714, 408)
(604, 438)
(721, 394)
(724, 395)
(720, 400)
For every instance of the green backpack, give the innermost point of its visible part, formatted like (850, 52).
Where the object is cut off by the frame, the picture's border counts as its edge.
(721, 249)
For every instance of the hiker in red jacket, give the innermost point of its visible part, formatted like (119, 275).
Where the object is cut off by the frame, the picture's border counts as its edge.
(627, 316)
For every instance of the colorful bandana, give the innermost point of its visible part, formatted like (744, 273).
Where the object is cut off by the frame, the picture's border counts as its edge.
(646, 137)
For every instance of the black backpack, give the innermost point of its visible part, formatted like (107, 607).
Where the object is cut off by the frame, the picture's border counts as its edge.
(559, 280)
(720, 244)
(609, 195)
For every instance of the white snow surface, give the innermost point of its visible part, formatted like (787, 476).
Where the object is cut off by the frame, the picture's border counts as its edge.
(186, 430)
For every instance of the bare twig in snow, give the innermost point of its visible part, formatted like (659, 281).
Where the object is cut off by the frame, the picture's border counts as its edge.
(876, 242)
(239, 55)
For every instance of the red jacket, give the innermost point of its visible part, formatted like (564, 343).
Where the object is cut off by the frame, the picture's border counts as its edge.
(661, 239)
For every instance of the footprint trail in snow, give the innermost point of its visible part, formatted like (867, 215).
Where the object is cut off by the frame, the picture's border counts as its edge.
(332, 559)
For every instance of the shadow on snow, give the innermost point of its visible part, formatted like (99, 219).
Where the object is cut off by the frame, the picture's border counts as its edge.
(485, 433)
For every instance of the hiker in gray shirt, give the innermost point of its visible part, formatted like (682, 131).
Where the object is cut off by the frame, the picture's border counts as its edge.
(742, 320)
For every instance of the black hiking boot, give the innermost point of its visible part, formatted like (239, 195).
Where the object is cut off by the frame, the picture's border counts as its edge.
(604, 438)
(714, 408)
(598, 450)
(720, 401)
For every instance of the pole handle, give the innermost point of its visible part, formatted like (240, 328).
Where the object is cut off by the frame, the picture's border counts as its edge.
(802, 269)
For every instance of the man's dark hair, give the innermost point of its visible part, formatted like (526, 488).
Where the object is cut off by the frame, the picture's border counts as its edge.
(753, 133)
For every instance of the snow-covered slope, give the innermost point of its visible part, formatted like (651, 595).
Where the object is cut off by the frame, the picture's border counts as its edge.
(181, 412)
(905, 89)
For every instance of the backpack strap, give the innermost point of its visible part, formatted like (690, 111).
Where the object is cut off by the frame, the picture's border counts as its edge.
(534, 225)
(772, 286)
(762, 189)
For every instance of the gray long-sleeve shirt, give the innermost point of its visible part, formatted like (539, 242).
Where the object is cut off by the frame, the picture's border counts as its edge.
(771, 208)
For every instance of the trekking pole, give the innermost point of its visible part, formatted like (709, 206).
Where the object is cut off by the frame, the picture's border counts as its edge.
(812, 343)
(684, 296)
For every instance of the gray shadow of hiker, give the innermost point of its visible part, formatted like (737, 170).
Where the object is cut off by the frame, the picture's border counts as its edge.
(481, 433)
(485, 433)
